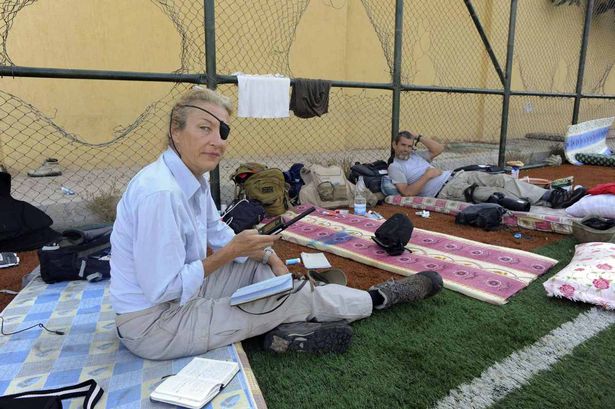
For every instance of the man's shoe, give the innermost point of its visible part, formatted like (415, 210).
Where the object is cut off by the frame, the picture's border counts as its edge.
(414, 288)
(314, 337)
(561, 198)
(50, 167)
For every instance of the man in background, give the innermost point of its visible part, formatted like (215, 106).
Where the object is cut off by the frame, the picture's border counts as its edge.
(412, 174)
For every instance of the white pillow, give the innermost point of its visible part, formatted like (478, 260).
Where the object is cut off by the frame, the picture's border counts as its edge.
(594, 205)
(590, 276)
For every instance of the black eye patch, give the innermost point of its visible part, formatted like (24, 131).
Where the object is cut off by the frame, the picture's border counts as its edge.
(225, 129)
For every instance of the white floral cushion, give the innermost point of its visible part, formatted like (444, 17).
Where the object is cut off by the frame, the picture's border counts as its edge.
(590, 276)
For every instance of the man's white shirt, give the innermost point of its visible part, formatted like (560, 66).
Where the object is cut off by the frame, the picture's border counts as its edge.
(410, 170)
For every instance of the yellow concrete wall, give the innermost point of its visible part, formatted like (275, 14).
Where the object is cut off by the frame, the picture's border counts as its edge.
(101, 35)
(333, 39)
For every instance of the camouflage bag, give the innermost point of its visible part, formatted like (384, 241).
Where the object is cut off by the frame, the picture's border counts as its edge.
(245, 170)
(266, 185)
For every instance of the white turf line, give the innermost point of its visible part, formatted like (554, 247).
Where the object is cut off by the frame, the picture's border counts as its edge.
(517, 370)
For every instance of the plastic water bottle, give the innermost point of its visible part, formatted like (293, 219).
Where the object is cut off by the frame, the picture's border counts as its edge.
(514, 172)
(67, 191)
(360, 197)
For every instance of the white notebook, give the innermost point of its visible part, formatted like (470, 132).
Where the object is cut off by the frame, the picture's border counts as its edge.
(315, 260)
(262, 289)
(196, 384)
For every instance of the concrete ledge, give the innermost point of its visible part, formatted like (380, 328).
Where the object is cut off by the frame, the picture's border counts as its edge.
(72, 210)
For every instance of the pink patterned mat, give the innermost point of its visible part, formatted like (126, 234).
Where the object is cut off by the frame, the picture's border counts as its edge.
(488, 273)
(538, 218)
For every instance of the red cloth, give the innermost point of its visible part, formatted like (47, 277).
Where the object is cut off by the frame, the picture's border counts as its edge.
(601, 189)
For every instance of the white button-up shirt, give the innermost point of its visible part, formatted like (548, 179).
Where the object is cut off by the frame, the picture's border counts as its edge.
(165, 221)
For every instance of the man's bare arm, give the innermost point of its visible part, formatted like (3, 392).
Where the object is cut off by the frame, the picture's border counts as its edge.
(434, 147)
(413, 189)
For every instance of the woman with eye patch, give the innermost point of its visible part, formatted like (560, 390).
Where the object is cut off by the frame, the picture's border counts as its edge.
(171, 296)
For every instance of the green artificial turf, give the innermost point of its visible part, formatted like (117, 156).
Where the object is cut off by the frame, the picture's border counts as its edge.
(411, 356)
(584, 379)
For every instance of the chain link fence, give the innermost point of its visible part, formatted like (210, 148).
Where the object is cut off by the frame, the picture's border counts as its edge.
(441, 47)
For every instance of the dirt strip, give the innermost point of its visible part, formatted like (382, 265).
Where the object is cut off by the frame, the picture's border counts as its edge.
(362, 276)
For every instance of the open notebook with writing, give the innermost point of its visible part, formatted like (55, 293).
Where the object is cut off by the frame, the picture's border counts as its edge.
(196, 384)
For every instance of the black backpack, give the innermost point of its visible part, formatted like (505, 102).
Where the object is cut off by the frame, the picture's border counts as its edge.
(487, 216)
(23, 227)
(372, 174)
(77, 255)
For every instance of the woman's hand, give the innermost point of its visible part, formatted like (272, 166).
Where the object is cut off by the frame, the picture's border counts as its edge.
(249, 243)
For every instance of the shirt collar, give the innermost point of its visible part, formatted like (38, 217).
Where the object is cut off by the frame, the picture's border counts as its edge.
(188, 183)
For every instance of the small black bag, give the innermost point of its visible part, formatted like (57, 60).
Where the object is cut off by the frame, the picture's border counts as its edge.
(372, 174)
(52, 398)
(243, 214)
(77, 255)
(394, 234)
(487, 216)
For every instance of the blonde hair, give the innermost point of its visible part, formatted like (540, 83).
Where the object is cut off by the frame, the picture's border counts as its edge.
(179, 112)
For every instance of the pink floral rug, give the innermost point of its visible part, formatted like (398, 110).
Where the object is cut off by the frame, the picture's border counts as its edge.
(488, 273)
(538, 218)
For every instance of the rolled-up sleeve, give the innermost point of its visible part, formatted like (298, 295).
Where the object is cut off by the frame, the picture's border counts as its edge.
(159, 251)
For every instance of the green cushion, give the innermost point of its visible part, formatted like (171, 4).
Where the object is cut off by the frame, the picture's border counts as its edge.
(595, 159)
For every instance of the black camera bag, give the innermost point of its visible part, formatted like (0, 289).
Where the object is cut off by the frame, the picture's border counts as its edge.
(243, 214)
(77, 255)
(394, 234)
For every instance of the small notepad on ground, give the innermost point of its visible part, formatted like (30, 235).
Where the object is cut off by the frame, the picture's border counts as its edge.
(315, 260)
(262, 289)
(196, 384)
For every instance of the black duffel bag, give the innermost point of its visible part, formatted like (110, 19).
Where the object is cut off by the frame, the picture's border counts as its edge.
(372, 174)
(487, 216)
(77, 255)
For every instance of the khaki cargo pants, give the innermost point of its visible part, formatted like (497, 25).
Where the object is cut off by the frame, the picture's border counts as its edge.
(489, 183)
(208, 321)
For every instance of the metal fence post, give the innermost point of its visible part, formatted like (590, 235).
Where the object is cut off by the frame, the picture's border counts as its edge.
(582, 57)
(508, 73)
(484, 39)
(399, 21)
(212, 82)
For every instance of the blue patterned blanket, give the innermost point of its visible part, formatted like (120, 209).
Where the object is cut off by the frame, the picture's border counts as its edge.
(89, 348)
(587, 137)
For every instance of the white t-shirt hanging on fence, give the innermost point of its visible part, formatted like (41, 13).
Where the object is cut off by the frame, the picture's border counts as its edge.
(263, 96)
